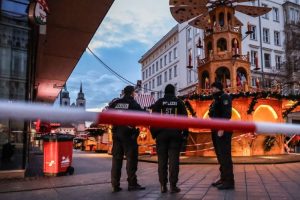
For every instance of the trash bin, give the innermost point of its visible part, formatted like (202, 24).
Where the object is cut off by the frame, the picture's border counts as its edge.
(58, 150)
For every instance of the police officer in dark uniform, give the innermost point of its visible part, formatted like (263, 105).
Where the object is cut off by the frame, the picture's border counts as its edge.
(221, 108)
(125, 143)
(169, 141)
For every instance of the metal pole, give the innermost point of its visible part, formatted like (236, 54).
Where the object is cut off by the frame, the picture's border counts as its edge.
(261, 51)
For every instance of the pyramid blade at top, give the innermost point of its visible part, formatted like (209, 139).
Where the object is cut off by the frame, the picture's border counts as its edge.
(188, 2)
(253, 11)
(201, 22)
(185, 13)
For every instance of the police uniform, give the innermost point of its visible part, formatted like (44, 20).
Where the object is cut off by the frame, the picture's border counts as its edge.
(221, 108)
(168, 141)
(125, 143)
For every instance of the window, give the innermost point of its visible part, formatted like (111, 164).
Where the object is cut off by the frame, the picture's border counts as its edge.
(266, 35)
(276, 14)
(175, 85)
(190, 57)
(146, 88)
(170, 74)
(143, 75)
(253, 36)
(189, 34)
(268, 83)
(189, 76)
(158, 80)
(166, 76)
(278, 62)
(153, 83)
(277, 38)
(146, 73)
(165, 60)
(198, 51)
(267, 60)
(253, 82)
(266, 16)
(222, 44)
(150, 85)
(253, 56)
(153, 69)
(292, 15)
(161, 63)
(149, 70)
(170, 56)
(297, 17)
(175, 53)
(156, 66)
(175, 71)
(160, 94)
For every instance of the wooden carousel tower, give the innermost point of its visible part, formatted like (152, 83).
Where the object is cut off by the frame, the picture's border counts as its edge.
(222, 42)
(224, 62)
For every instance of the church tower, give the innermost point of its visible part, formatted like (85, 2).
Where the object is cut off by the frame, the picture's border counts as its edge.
(80, 101)
(223, 46)
(65, 97)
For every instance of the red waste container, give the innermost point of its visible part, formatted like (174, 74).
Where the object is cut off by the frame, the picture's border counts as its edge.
(58, 150)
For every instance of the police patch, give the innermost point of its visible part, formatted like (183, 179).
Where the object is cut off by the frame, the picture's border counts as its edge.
(226, 102)
(122, 106)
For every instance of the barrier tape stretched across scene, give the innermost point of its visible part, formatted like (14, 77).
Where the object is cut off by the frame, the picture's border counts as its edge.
(23, 111)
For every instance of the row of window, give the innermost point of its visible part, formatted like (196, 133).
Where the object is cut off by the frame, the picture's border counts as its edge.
(268, 83)
(159, 64)
(294, 15)
(267, 60)
(172, 72)
(266, 36)
(160, 50)
(275, 12)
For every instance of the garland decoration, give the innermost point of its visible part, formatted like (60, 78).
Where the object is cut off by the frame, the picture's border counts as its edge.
(252, 105)
(289, 110)
(269, 142)
(254, 95)
(190, 108)
(262, 94)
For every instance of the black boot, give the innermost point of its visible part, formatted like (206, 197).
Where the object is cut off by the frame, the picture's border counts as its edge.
(116, 188)
(163, 188)
(226, 186)
(175, 189)
(218, 182)
(135, 187)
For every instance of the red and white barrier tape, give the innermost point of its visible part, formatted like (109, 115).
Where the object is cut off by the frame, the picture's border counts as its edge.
(50, 113)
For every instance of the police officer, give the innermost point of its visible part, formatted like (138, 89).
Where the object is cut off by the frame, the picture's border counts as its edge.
(221, 108)
(168, 141)
(125, 143)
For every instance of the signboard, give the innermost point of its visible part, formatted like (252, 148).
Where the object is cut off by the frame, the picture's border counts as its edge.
(38, 11)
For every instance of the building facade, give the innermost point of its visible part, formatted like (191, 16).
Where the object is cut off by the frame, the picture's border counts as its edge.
(292, 32)
(266, 47)
(35, 62)
(15, 81)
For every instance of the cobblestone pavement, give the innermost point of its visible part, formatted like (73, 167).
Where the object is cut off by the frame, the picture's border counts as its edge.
(92, 181)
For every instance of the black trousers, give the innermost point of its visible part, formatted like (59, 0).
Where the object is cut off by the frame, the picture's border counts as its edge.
(168, 146)
(124, 144)
(222, 147)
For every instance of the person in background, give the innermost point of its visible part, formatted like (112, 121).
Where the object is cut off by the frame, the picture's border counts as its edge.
(221, 108)
(169, 141)
(125, 143)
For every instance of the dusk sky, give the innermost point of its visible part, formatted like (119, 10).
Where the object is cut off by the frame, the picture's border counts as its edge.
(129, 29)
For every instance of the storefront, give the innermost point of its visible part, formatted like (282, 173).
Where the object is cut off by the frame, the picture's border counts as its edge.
(36, 61)
(15, 81)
